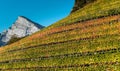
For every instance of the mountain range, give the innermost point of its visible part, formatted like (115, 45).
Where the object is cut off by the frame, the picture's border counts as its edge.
(21, 28)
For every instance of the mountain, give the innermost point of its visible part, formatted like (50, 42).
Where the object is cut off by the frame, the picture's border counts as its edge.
(86, 40)
(21, 28)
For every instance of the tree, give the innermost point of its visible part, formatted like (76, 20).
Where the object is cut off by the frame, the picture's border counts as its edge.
(80, 3)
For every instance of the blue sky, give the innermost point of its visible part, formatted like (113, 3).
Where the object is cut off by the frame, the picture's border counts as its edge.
(44, 12)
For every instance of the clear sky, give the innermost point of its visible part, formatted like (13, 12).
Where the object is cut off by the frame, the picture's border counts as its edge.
(44, 12)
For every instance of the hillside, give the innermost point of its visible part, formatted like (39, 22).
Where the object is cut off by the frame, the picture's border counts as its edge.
(86, 40)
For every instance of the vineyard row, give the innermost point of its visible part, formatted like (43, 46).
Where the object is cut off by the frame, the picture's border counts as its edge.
(67, 66)
(114, 50)
(53, 43)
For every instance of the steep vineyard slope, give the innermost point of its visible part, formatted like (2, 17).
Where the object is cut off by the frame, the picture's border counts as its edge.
(86, 40)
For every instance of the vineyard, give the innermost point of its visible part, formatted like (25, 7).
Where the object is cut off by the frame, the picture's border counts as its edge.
(86, 40)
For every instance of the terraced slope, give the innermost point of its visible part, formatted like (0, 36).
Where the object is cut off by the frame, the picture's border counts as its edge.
(86, 40)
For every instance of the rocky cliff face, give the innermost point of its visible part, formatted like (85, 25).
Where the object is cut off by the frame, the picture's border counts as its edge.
(80, 3)
(21, 28)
